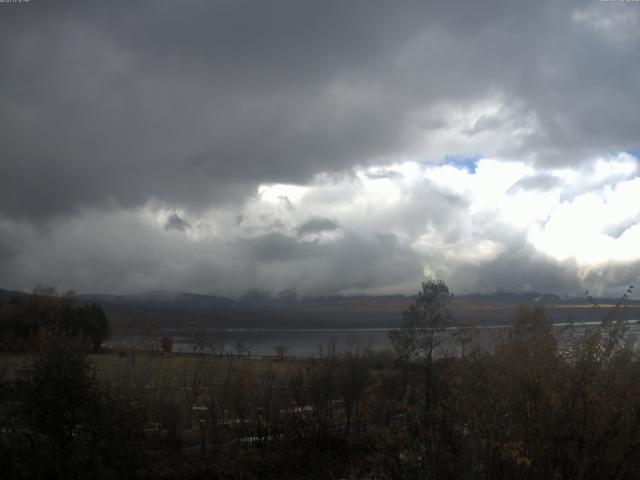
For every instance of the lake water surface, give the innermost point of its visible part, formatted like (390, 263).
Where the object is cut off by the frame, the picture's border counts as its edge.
(302, 342)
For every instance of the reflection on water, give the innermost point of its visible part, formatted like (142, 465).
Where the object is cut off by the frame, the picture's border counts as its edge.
(311, 342)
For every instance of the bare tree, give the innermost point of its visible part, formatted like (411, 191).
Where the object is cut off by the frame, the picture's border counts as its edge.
(421, 332)
(281, 351)
(219, 342)
(353, 379)
(465, 334)
(192, 385)
(240, 346)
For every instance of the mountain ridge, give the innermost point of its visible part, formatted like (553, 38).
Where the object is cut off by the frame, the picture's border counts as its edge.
(183, 310)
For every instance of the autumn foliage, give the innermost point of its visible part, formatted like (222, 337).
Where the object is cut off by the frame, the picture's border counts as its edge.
(531, 406)
(166, 343)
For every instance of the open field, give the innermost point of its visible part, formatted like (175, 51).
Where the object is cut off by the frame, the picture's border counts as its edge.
(345, 415)
(155, 369)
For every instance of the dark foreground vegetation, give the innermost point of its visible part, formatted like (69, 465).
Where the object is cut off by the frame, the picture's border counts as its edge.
(528, 409)
(29, 322)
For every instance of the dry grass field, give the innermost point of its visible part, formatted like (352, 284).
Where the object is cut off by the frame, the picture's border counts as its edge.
(156, 369)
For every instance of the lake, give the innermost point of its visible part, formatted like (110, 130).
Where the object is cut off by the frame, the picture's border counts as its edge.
(301, 342)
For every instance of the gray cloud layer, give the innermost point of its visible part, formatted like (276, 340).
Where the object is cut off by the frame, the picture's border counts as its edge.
(317, 225)
(197, 102)
(194, 104)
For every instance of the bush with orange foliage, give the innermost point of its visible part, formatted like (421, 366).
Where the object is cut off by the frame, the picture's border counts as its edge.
(167, 344)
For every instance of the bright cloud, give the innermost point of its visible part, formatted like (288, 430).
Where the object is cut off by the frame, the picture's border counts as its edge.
(402, 220)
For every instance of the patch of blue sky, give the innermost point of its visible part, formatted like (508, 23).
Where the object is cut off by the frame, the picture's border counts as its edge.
(635, 152)
(469, 162)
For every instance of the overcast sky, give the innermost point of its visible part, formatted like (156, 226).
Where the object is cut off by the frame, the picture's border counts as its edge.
(331, 147)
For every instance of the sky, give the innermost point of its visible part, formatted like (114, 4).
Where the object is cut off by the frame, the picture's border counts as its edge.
(333, 147)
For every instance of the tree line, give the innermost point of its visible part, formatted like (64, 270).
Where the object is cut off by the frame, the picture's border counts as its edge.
(529, 407)
(29, 322)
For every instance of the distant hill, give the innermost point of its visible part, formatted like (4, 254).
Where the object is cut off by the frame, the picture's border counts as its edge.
(164, 299)
(163, 309)
(7, 295)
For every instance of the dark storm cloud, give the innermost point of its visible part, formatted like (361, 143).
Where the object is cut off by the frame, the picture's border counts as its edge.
(317, 225)
(195, 102)
(175, 222)
(275, 247)
(8, 247)
(80, 254)
(521, 268)
(350, 262)
(614, 278)
(186, 103)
